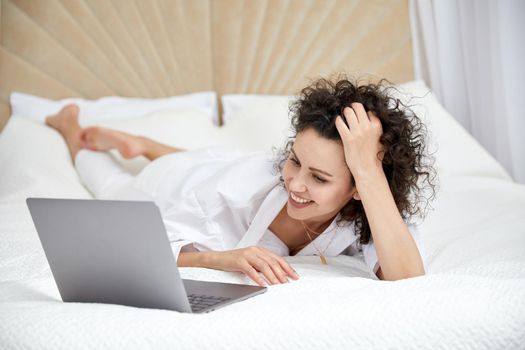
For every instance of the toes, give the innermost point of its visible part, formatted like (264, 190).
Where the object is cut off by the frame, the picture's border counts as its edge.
(69, 112)
(71, 108)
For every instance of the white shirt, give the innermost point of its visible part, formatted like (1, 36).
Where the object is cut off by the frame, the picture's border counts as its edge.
(221, 199)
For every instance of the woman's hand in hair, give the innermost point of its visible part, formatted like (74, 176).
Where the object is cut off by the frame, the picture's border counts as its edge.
(251, 261)
(363, 151)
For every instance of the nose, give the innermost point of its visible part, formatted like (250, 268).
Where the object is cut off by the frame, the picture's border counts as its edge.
(297, 183)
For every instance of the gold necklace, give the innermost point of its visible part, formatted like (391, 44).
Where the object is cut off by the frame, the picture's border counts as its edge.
(321, 254)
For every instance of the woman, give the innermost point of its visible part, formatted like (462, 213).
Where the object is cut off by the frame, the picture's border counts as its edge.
(347, 181)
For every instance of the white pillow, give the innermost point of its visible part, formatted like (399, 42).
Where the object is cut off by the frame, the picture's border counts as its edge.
(265, 118)
(112, 107)
(256, 122)
(235, 104)
(457, 152)
(35, 162)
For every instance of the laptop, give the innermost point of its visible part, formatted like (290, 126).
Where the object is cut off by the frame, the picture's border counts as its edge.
(118, 252)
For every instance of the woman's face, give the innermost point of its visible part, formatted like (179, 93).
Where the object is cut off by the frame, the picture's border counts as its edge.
(317, 178)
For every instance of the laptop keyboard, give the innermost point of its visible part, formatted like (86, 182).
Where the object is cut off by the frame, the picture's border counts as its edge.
(199, 302)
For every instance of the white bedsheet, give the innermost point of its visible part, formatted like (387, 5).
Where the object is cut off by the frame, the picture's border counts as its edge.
(473, 296)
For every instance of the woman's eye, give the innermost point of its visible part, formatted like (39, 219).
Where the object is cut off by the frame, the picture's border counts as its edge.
(318, 179)
(295, 161)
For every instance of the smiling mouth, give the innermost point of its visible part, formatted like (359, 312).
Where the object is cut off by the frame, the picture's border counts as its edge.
(299, 200)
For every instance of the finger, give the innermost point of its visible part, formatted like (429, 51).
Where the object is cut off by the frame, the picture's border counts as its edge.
(254, 275)
(360, 112)
(351, 118)
(266, 270)
(285, 266)
(374, 120)
(341, 127)
(276, 268)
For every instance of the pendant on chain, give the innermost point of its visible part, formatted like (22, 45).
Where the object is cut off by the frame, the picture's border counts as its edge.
(323, 260)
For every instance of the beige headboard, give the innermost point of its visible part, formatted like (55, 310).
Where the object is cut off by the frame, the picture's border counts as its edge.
(155, 48)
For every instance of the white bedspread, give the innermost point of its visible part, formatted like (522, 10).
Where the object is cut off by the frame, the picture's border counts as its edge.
(326, 308)
(473, 296)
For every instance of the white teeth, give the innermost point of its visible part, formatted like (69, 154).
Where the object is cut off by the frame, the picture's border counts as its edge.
(299, 200)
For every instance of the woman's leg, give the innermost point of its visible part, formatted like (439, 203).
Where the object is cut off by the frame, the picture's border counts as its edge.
(106, 178)
(103, 176)
(102, 139)
(99, 171)
(129, 146)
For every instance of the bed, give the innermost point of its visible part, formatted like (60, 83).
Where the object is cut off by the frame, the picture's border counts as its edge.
(472, 297)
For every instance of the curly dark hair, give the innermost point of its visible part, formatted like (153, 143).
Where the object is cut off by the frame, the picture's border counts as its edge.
(407, 166)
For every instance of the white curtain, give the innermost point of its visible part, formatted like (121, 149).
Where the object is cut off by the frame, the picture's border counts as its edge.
(472, 54)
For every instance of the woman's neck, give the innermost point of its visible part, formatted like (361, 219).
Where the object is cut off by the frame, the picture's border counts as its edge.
(292, 232)
(315, 225)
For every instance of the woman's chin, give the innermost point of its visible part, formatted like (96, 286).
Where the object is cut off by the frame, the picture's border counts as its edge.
(296, 213)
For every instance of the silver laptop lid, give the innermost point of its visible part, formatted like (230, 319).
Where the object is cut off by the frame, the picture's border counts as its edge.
(109, 251)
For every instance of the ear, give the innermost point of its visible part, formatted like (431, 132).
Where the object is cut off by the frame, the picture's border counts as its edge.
(356, 196)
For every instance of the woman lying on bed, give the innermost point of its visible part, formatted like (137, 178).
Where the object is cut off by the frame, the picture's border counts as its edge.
(347, 182)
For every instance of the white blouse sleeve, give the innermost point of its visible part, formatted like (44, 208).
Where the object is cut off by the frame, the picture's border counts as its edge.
(370, 254)
(182, 246)
(188, 228)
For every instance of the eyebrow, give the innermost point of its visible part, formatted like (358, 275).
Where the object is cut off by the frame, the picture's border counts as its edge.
(315, 169)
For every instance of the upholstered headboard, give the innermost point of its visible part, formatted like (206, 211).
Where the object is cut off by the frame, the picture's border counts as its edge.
(154, 48)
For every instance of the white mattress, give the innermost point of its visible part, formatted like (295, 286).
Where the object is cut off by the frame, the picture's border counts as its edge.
(473, 296)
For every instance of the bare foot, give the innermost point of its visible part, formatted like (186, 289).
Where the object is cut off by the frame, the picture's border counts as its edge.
(66, 117)
(102, 139)
(66, 123)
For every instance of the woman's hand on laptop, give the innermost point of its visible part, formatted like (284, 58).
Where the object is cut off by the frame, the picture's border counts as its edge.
(251, 261)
